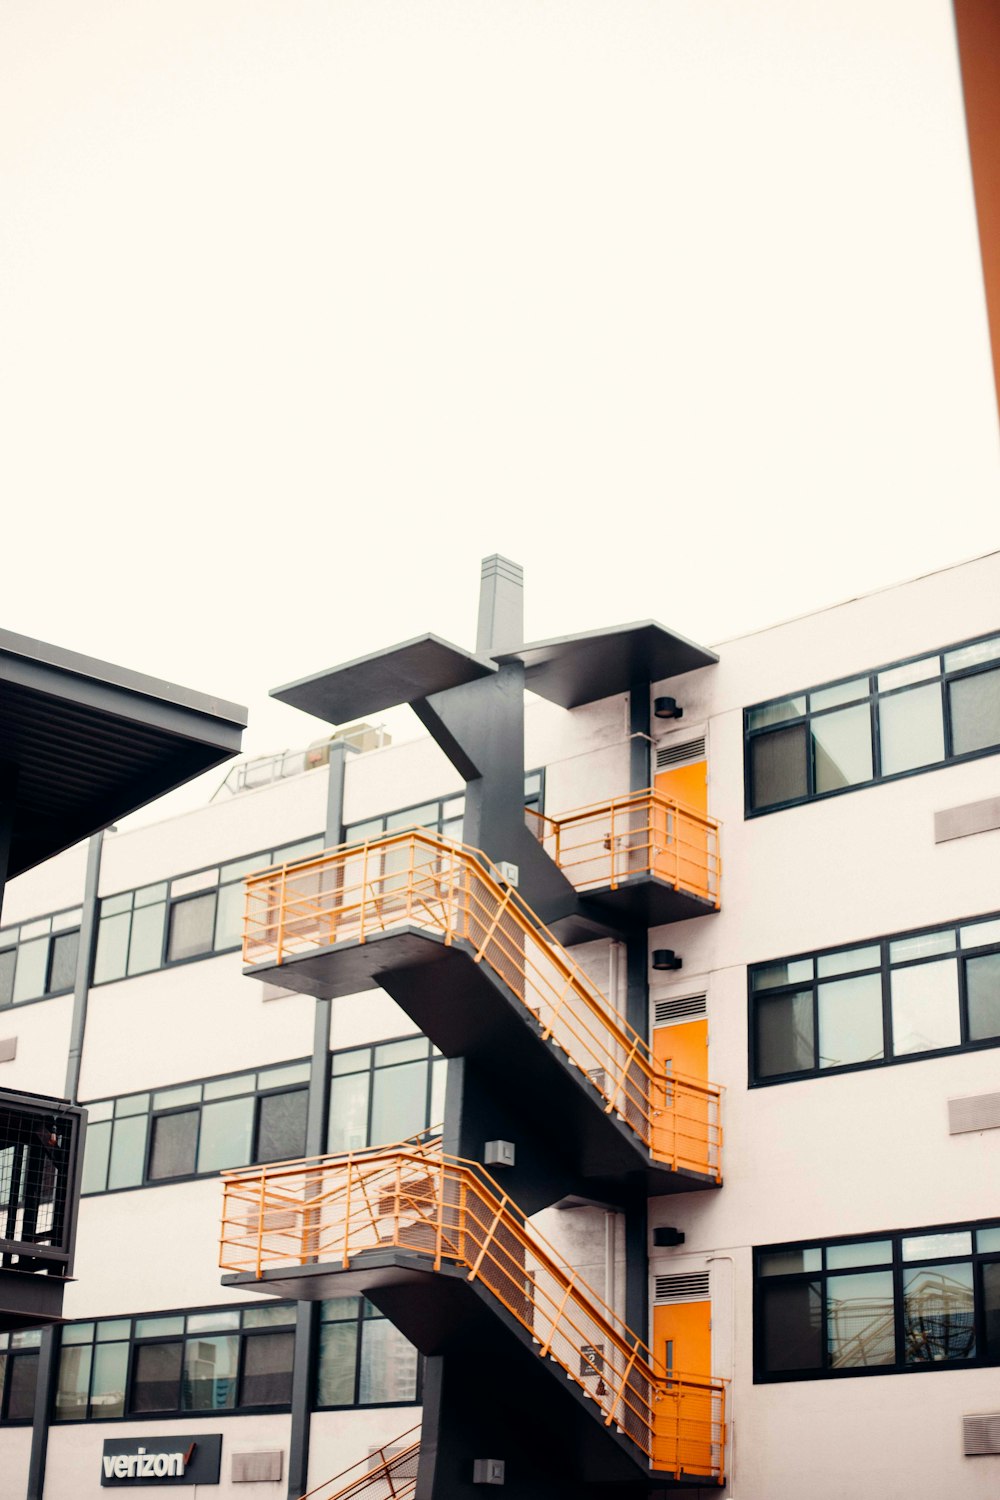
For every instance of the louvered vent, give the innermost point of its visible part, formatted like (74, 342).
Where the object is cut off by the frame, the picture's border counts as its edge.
(679, 755)
(688, 1008)
(690, 1288)
(981, 1433)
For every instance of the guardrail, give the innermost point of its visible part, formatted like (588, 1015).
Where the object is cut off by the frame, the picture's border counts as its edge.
(413, 1198)
(388, 1473)
(642, 833)
(415, 879)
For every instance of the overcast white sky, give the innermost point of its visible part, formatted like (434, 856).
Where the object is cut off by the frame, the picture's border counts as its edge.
(306, 307)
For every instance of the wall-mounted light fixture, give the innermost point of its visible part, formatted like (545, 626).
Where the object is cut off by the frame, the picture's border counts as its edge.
(665, 959)
(666, 708)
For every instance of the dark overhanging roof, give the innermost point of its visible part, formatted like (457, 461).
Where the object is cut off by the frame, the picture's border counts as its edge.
(83, 742)
(572, 670)
(398, 674)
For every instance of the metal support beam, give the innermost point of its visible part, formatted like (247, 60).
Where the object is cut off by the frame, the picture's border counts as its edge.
(84, 960)
(45, 1394)
(639, 769)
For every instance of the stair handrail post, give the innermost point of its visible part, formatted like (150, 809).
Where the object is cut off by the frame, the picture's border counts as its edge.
(260, 1221)
(345, 1258)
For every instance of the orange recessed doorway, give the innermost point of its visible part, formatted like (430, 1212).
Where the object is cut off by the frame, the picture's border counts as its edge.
(682, 1344)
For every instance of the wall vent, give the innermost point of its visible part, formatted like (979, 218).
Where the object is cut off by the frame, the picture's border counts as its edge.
(981, 1433)
(262, 1467)
(692, 1287)
(979, 1112)
(8, 1049)
(684, 754)
(686, 1008)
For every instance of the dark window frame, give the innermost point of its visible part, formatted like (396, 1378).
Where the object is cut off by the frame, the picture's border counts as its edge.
(360, 1319)
(897, 1265)
(431, 1057)
(885, 968)
(6, 946)
(29, 1353)
(944, 678)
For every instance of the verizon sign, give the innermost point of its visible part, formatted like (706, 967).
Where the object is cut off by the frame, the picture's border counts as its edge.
(186, 1459)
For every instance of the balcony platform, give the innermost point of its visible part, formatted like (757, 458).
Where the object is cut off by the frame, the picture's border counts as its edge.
(467, 1011)
(647, 901)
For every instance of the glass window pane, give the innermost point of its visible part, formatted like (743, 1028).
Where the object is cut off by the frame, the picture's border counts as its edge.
(188, 1093)
(145, 950)
(862, 1253)
(979, 934)
(792, 1316)
(157, 1328)
(276, 1078)
(399, 1102)
(348, 1129)
(131, 1104)
(229, 916)
(8, 962)
(988, 1241)
(991, 1309)
(95, 1158)
(213, 1322)
(777, 712)
(149, 895)
(26, 1338)
(925, 1007)
(78, 1333)
(281, 1132)
(73, 1388)
(971, 656)
(268, 1316)
(358, 1060)
(192, 927)
(335, 1374)
(237, 868)
(787, 1262)
(911, 729)
(914, 671)
(267, 1370)
(22, 1377)
(210, 1367)
(358, 833)
(99, 1109)
(388, 1365)
(29, 977)
(425, 816)
(109, 1329)
(778, 767)
(975, 712)
(784, 1034)
(922, 945)
(226, 1134)
(156, 1379)
(67, 919)
(933, 1246)
(844, 692)
(112, 947)
(186, 885)
(982, 982)
(173, 1143)
(938, 1313)
(289, 853)
(398, 1052)
(128, 1152)
(112, 905)
(107, 1394)
(828, 964)
(439, 1083)
(225, 1088)
(842, 748)
(62, 964)
(850, 1021)
(860, 1321)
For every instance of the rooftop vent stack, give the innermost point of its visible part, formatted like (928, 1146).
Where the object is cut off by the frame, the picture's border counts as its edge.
(501, 606)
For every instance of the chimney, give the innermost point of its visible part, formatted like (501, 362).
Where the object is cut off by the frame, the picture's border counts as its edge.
(501, 606)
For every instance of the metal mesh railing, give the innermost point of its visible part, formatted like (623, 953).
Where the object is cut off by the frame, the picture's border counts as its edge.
(38, 1148)
(412, 1198)
(415, 879)
(643, 833)
(388, 1473)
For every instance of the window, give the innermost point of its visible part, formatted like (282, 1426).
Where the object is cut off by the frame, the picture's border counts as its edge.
(196, 1128)
(889, 722)
(18, 1374)
(444, 815)
(384, 1093)
(876, 1003)
(174, 921)
(363, 1359)
(882, 1304)
(216, 1359)
(38, 958)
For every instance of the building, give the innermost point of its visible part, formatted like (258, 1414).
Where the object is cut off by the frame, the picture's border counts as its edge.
(710, 1031)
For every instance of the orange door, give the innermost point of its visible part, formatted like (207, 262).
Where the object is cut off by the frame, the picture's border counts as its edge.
(682, 837)
(682, 1343)
(681, 1131)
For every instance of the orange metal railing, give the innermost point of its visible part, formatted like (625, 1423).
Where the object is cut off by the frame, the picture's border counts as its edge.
(643, 833)
(415, 879)
(413, 1198)
(388, 1473)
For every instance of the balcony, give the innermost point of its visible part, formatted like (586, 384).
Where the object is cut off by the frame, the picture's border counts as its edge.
(641, 856)
(436, 1243)
(435, 925)
(40, 1157)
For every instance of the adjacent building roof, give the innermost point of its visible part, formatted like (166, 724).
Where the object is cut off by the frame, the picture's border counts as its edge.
(398, 674)
(83, 742)
(575, 669)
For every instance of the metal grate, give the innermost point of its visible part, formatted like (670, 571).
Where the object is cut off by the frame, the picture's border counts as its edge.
(37, 1159)
(981, 1433)
(687, 1008)
(689, 1287)
(684, 754)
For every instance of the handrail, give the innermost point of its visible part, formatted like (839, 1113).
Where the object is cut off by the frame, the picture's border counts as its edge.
(381, 1481)
(638, 834)
(280, 1219)
(414, 878)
